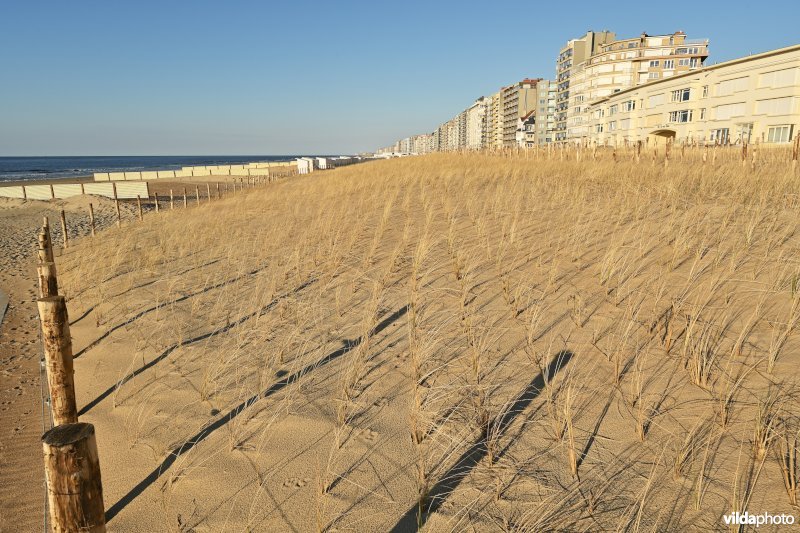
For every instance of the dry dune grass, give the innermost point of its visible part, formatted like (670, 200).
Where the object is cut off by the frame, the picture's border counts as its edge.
(450, 341)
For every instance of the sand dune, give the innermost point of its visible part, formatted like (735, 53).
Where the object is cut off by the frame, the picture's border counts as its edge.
(448, 341)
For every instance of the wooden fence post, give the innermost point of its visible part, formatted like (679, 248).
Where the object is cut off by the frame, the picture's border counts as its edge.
(24, 194)
(171, 201)
(185, 202)
(208, 192)
(58, 358)
(197, 195)
(218, 193)
(91, 218)
(45, 244)
(139, 206)
(74, 485)
(52, 192)
(48, 280)
(155, 200)
(64, 228)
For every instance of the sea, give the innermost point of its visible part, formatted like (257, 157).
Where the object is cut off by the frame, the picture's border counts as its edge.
(43, 168)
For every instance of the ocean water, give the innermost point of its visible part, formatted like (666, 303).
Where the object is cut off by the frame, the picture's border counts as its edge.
(39, 168)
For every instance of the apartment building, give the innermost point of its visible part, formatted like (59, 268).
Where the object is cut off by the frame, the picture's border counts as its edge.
(475, 123)
(519, 100)
(420, 144)
(545, 111)
(493, 130)
(621, 64)
(750, 99)
(570, 58)
(525, 135)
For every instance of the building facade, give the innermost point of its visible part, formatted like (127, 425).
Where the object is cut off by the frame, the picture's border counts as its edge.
(476, 121)
(519, 100)
(621, 64)
(571, 57)
(750, 99)
(545, 111)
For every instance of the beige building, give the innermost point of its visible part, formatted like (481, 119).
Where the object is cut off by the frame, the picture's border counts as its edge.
(621, 64)
(476, 120)
(750, 99)
(519, 100)
(570, 58)
(494, 126)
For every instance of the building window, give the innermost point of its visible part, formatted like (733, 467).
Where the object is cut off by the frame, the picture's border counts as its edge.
(681, 95)
(652, 75)
(629, 105)
(719, 136)
(612, 125)
(654, 64)
(612, 110)
(680, 116)
(705, 91)
(598, 128)
(669, 63)
(703, 114)
(779, 134)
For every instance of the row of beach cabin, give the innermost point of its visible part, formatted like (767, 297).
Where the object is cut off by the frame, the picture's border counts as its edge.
(306, 165)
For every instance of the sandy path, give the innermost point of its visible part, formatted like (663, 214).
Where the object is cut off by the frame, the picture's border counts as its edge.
(21, 416)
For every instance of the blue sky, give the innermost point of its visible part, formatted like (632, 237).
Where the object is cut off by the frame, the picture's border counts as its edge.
(182, 78)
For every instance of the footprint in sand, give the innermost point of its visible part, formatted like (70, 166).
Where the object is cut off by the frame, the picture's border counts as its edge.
(368, 435)
(296, 482)
(381, 402)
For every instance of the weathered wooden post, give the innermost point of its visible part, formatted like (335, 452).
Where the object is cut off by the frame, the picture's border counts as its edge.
(58, 358)
(171, 201)
(208, 192)
(197, 195)
(744, 153)
(795, 152)
(48, 280)
(218, 193)
(139, 206)
(46, 270)
(74, 485)
(52, 192)
(91, 218)
(64, 228)
(119, 214)
(155, 201)
(185, 201)
(45, 243)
